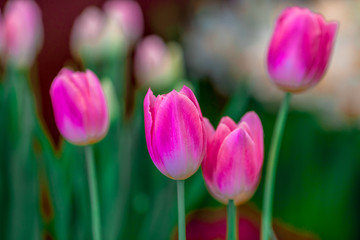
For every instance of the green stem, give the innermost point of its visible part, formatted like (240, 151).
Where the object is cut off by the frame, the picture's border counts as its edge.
(231, 221)
(181, 209)
(94, 202)
(271, 168)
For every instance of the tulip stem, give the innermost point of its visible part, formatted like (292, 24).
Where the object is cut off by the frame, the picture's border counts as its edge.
(181, 209)
(94, 202)
(231, 221)
(271, 168)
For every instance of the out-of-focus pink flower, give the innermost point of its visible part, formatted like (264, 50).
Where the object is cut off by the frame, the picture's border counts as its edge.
(86, 33)
(210, 224)
(175, 134)
(80, 108)
(156, 64)
(234, 158)
(23, 32)
(300, 49)
(95, 36)
(129, 15)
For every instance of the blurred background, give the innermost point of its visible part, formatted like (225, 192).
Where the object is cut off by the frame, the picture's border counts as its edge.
(218, 48)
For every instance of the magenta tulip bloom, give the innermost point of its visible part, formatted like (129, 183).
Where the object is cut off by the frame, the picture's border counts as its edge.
(23, 32)
(175, 133)
(234, 158)
(300, 49)
(80, 108)
(129, 15)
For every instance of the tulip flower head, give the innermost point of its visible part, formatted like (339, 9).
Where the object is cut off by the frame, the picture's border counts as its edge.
(129, 16)
(175, 132)
(234, 158)
(80, 108)
(22, 31)
(157, 65)
(95, 35)
(300, 49)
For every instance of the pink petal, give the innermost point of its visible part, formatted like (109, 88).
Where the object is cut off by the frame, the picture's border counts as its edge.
(228, 122)
(256, 132)
(97, 114)
(326, 46)
(149, 103)
(209, 163)
(210, 131)
(68, 109)
(235, 170)
(178, 136)
(187, 92)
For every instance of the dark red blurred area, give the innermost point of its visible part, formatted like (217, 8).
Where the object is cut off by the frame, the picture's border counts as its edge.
(210, 223)
(162, 17)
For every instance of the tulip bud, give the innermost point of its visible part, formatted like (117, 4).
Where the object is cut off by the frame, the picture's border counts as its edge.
(129, 17)
(300, 49)
(175, 133)
(156, 64)
(80, 107)
(94, 35)
(234, 158)
(23, 32)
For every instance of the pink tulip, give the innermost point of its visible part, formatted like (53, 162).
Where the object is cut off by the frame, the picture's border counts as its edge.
(23, 32)
(86, 33)
(129, 16)
(300, 49)
(80, 108)
(153, 63)
(175, 133)
(234, 158)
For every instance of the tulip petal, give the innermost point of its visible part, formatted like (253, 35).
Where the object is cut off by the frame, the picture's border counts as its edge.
(178, 139)
(210, 131)
(326, 45)
(284, 63)
(210, 161)
(228, 122)
(256, 132)
(235, 164)
(187, 92)
(98, 117)
(149, 104)
(67, 105)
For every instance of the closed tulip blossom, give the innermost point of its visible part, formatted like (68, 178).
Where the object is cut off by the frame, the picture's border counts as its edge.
(80, 108)
(234, 158)
(300, 49)
(175, 133)
(157, 65)
(86, 33)
(22, 31)
(129, 16)
(94, 36)
(152, 62)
